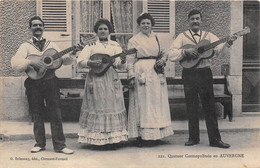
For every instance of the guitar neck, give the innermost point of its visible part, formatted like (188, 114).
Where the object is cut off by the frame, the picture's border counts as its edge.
(63, 52)
(216, 43)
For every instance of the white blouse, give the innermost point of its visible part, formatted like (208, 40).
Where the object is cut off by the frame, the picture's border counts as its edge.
(111, 48)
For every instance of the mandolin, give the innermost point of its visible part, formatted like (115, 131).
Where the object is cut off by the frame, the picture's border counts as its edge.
(107, 61)
(51, 59)
(205, 49)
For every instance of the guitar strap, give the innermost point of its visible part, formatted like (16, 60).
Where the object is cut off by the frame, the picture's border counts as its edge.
(206, 33)
(158, 44)
(46, 45)
(189, 38)
(194, 38)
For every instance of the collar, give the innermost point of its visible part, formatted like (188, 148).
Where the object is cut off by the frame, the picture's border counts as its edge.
(100, 41)
(198, 33)
(37, 39)
(106, 39)
(152, 34)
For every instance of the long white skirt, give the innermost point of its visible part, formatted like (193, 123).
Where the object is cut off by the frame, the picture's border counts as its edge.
(149, 112)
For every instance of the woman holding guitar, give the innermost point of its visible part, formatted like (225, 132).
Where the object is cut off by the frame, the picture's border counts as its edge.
(103, 114)
(197, 78)
(149, 113)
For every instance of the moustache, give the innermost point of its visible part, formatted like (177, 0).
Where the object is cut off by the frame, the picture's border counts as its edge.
(38, 29)
(195, 24)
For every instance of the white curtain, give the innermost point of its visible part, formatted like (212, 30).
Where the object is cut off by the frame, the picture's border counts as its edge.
(90, 11)
(122, 15)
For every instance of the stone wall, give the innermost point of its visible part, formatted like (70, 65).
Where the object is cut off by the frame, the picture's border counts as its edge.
(14, 17)
(13, 101)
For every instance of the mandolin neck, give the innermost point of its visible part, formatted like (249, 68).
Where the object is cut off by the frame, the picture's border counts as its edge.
(117, 55)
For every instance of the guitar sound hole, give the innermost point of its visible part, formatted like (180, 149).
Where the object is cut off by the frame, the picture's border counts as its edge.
(104, 60)
(201, 50)
(47, 60)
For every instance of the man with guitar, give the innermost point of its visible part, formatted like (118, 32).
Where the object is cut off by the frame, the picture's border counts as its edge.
(44, 90)
(197, 77)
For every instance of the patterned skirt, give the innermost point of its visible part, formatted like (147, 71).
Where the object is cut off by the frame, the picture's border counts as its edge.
(103, 114)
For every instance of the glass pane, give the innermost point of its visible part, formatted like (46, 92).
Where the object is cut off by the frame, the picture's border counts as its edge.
(252, 40)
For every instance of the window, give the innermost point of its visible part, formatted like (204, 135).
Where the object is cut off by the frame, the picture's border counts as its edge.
(160, 10)
(252, 40)
(54, 15)
(118, 12)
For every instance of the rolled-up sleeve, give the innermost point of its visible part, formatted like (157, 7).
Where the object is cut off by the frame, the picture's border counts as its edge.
(175, 53)
(220, 49)
(84, 55)
(19, 62)
(117, 62)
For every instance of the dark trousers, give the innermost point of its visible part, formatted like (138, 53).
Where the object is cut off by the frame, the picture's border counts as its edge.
(43, 94)
(198, 83)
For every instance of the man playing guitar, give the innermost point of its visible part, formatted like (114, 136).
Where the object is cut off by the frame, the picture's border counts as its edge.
(42, 91)
(198, 80)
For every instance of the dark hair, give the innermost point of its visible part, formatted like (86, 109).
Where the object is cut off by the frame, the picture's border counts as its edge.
(103, 21)
(145, 16)
(194, 12)
(35, 18)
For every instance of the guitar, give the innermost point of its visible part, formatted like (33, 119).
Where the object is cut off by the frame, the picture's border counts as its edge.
(107, 61)
(205, 49)
(51, 59)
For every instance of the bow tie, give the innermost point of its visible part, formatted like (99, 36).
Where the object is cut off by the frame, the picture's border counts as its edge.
(103, 39)
(196, 34)
(40, 43)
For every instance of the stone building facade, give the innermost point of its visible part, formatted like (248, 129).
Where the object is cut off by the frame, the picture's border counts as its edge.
(220, 17)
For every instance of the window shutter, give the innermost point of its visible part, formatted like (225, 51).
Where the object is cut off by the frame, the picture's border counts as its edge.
(54, 15)
(160, 10)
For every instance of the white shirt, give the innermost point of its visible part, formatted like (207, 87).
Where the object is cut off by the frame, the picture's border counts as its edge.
(110, 47)
(20, 62)
(175, 53)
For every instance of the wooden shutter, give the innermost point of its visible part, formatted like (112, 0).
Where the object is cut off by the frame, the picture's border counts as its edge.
(54, 15)
(160, 10)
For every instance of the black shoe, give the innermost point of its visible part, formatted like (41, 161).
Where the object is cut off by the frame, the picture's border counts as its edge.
(111, 147)
(191, 143)
(139, 142)
(219, 144)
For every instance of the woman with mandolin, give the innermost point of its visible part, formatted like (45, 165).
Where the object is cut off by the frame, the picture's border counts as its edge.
(103, 114)
(149, 112)
(194, 48)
